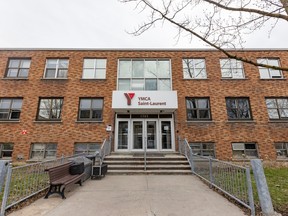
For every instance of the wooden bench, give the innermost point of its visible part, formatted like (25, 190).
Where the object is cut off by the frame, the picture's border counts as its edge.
(60, 177)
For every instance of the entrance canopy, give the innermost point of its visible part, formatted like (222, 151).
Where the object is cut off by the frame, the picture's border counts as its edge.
(144, 101)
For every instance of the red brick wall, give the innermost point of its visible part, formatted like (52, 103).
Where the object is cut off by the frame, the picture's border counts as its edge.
(68, 131)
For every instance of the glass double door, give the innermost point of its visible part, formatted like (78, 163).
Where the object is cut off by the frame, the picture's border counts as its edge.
(141, 134)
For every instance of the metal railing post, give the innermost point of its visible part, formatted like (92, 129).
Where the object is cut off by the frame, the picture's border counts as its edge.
(250, 191)
(145, 145)
(179, 145)
(210, 172)
(6, 190)
(192, 161)
(3, 171)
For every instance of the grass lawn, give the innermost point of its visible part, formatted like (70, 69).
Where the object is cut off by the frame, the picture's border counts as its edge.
(277, 180)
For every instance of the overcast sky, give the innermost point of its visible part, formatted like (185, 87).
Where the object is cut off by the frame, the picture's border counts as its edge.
(97, 24)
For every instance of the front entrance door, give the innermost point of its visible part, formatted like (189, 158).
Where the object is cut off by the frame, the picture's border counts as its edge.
(144, 134)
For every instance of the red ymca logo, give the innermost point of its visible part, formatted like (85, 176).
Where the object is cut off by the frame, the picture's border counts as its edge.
(129, 97)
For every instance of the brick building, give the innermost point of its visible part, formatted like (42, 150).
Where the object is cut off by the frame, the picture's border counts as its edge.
(55, 102)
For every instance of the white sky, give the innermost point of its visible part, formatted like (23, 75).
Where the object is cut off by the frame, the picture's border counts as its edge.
(97, 24)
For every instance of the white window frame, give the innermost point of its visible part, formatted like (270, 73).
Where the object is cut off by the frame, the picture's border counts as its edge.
(5, 150)
(11, 110)
(277, 108)
(233, 70)
(56, 69)
(88, 149)
(95, 68)
(268, 61)
(201, 149)
(18, 68)
(284, 150)
(190, 64)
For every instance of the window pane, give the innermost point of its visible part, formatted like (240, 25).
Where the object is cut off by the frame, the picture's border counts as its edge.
(44, 114)
(63, 63)
(273, 62)
(150, 69)
(57, 103)
(192, 114)
(4, 115)
(238, 73)
(271, 103)
(62, 73)
(50, 73)
(16, 104)
(282, 103)
(25, 63)
(151, 84)
(51, 63)
(45, 103)
(97, 114)
(100, 73)
(275, 73)
(188, 73)
(163, 69)
(14, 63)
(15, 114)
(23, 72)
(5, 103)
(264, 73)
(232, 113)
(138, 68)
(190, 103)
(85, 104)
(101, 63)
(164, 84)
(89, 63)
(84, 113)
(125, 68)
(273, 114)
(231, 103)
(88, 73)
(283, 113)
(203, 103)
(12, 73)
(226, 73)
(137, 84)
(51, 147)
(124, 84)
(55, 113)
(80, 147)
(97, 103)
(200, 73)
(204, 114)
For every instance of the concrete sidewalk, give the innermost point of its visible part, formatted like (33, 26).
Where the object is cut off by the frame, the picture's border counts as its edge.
(136, 195)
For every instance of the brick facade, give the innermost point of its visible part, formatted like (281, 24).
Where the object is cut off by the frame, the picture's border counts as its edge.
(65, 133)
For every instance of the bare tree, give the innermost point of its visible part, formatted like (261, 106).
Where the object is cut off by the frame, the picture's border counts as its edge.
(219, 23)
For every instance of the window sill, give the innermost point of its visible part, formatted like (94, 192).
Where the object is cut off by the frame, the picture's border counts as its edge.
(39, 121)
(79, 121)
(243, 159)
(282, 159)
(201, 122)
(60, 79)
(39, 160)
(16, 78)
(7, 121)
(278, 121)
(186, 79)
(272, 79)
(94, 79)
(240, 121)
(234, 79)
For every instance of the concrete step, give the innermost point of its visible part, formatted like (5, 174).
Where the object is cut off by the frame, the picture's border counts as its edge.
(131, 158)
(149, 167)
(149, 172)
(151, 162)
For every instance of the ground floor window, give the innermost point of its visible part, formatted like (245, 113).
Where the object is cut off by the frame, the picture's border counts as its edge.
(244, 150)
(6, 150)
(88, 148)
(282, 150)
(40, 151)
(203, 149)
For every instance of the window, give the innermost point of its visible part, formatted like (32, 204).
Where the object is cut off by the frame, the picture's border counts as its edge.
(88, 148)
(6, 150)
(203, 149)
(281, 150)
(238, 108)
(232, 69)
(94, 69)
(244, 150)
(56, 68)
(50, 109)
(10, 109)
(194, 69)
(40, 151)
(198, 109)
(269, 73)
(144, 74)
(18, 68)
(277, 108)
(91, 109)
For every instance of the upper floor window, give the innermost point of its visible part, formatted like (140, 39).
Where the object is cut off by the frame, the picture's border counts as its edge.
(194, 69)
(281, 150)
(18, 68)
(94, 69)
(244, 150)
(10, 109)
(88, 148)
(269, 73)
(144, 74)
(40, 151)
(6, 150)
(50, 109)
(238, 108)
(277, 108)
(56, 68)
(232, 69)
(198, 109)
(91, 109)
(203, 149)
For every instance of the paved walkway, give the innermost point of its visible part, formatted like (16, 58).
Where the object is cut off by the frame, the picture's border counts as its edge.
(136, 195)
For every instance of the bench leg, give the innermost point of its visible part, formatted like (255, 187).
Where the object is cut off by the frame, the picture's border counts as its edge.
(49, 192)
(55, 189)
(62, 193)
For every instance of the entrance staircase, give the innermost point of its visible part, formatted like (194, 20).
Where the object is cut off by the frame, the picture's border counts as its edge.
(156, 163)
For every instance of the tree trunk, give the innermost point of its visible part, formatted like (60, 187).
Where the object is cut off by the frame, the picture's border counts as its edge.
(285, 5)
